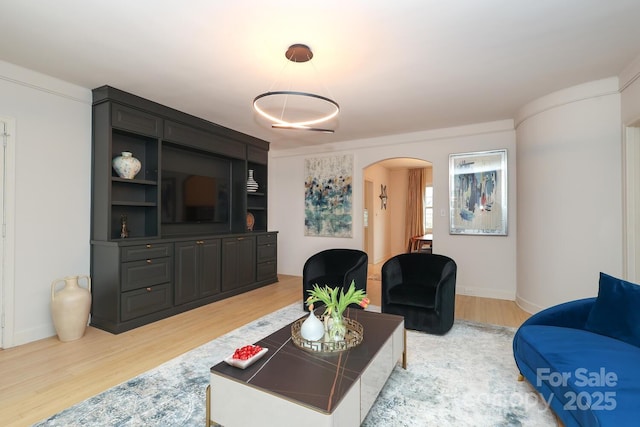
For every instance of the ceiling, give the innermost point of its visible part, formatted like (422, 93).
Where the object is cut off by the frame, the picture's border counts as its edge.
(394, 67)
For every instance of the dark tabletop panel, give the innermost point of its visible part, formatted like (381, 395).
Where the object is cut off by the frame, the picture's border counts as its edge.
(317, 380)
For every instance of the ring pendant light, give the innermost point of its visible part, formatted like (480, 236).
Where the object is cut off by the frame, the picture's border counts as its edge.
(296, 53)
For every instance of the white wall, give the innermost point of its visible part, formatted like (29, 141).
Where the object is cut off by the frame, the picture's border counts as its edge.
(569, 194)
(397, 206)
(380, 218)
(629, 81)
(52, 191)
(486, 264)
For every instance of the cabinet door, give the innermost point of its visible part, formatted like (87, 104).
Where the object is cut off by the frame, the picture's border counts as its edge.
(246, 261)
(209, 267)
(238, 262)
(186, 272)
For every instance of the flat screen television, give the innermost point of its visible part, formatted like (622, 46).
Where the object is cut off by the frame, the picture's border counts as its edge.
(188, 198)
(195, 188)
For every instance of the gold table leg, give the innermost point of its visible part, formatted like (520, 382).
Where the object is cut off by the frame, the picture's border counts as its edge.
(404, 351)
(208, 410)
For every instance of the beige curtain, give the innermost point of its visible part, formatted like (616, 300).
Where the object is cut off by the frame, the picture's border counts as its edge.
(415, 203)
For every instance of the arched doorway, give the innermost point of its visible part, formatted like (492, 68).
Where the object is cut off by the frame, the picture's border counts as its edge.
(385, 189)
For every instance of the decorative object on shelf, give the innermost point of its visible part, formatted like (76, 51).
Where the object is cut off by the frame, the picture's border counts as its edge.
(383, 196)
(478, 200)
(126, 166)
(336, 301)
(124, 229)
(312, 329)
(252, 185)
(70, 307)
(296, 109)
(251, 220)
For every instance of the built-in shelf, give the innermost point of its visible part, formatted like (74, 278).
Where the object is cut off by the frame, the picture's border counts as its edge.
(124, 203)
(186, 246)
(134, 181)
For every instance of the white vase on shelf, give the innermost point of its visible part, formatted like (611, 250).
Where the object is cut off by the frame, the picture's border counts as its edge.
(252, 185)
(126, 166)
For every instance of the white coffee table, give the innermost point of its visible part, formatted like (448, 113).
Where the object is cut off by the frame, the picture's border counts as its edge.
(294, 387)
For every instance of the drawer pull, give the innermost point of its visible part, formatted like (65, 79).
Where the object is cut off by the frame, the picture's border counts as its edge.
(148, 261)
(148, 289)
(148, 246)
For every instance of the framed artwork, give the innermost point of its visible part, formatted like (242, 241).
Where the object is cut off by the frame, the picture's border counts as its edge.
(328, 196)
(478, 193)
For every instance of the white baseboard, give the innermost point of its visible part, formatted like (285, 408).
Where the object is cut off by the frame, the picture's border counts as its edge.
(486, 293)
(33, 334)
(528, 306)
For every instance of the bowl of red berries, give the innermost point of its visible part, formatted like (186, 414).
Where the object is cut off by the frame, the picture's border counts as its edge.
(246, 355)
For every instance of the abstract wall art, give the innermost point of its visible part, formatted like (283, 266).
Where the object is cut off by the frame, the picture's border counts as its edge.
(328, 196)
(478, 193)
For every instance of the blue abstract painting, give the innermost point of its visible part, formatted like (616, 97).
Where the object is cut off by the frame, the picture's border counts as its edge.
(478, 193)
(328, 196)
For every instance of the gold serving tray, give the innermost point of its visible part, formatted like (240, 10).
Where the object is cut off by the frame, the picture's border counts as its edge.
(353, 337)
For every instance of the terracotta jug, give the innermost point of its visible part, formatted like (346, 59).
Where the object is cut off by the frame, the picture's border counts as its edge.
(70, 307)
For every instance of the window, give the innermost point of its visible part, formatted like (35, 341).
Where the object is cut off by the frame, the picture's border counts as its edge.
(428, 208)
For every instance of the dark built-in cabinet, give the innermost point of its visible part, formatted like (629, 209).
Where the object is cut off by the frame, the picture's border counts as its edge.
(197, 269)
(186, 213)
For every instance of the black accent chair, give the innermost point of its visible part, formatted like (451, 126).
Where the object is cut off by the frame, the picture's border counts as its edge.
(422, 288)
(334, 267)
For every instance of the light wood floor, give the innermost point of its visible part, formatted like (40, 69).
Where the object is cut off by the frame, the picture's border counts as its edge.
(42, 378)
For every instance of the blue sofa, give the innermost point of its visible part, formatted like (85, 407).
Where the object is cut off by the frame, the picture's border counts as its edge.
(583, 356)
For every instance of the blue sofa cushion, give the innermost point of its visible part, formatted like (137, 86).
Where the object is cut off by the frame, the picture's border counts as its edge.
(616, 312)
(598, 370)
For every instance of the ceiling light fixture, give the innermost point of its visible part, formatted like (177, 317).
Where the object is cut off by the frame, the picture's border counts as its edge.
(296, 110)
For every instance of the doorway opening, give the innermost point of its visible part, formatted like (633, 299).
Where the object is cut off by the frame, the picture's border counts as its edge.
(386, 190)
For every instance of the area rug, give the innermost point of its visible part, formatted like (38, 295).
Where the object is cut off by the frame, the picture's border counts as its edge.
(465, 378)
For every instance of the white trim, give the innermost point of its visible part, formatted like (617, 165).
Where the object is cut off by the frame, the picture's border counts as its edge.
(8, 261)
(528, 306)
(629, 74)
(34, 80)
(493, 293)
(631, 201)
(595, 89)
(405, 138)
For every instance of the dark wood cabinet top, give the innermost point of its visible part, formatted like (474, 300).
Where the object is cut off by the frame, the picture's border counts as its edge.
(318, 380)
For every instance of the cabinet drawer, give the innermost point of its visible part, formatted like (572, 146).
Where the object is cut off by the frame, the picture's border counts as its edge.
(267, 252)
(266, 270)
(140, 274)
(134, 120)
(265, 239)
(145, 301)
(148, 251)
